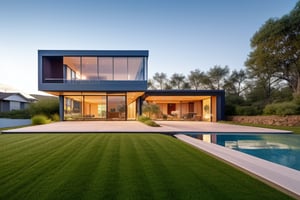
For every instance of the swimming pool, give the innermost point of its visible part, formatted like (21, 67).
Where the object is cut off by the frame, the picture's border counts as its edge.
(283, 149)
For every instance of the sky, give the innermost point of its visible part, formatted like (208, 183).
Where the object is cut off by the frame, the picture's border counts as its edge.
(181, 35)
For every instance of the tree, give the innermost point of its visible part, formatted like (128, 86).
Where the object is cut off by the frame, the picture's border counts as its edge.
(276, 50)
(151, 84)
(216, 77)
(161, 79)
(178, 81)
(150, 109)
(196, 79)
(235, 84)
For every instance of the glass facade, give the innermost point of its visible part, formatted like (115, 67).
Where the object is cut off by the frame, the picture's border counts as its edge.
(97, 107)
(89, 68)
(95, 68)
(105, 68)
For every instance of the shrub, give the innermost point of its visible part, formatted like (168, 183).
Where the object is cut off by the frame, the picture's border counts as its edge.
(151, 123)
(148, 121)
(16, 114)
(247, 110)
(55, 117)
(40, 119)
(46, 107)
(282, 109)
(150, 109)
(143, 118)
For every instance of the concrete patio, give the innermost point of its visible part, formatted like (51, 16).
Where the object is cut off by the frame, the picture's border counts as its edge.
(138, 127)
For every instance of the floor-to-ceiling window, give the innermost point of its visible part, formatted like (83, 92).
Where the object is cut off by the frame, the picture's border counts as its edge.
(116, 107)
(105, 68)
(72, 68)
(96, 107)
(89, 68)
(73, 107)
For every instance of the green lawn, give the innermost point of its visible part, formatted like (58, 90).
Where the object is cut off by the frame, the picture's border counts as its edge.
(118, 166)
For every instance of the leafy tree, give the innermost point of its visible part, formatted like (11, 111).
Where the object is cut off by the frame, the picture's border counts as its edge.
(196, 79)
(276, 50)
(151, 84)
(178, 81)
(161, 79)
(150, 109)
(235, 84)
(216, 77)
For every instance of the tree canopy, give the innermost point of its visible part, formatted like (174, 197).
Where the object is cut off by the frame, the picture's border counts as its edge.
(276, 51)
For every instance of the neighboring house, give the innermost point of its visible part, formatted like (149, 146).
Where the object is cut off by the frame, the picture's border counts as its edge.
(112, 85)
(14, 101)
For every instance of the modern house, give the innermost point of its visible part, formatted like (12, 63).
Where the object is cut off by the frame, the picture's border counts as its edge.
(14, 101)
(112, 85)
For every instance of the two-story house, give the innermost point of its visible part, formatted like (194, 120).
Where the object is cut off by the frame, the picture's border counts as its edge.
(112, 85)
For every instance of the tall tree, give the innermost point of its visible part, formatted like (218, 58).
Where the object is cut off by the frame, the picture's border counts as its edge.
(161, 79)
(178, 81)
(196, 79)
(151, 84)
(216, 77)
(235, 84)
(276, 50)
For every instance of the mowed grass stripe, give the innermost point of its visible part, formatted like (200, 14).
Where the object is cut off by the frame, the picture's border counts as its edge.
(40, 165)
(75, 175)
(122, 166)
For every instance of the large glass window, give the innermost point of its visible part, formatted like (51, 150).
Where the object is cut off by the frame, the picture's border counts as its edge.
(116, 108)
(89, 68)
(105, 68)
(73, 107)
(72, 67)
(120, 68)
(94, 107)
(135, 68)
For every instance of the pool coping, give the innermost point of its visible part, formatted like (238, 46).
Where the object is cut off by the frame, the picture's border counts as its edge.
(278, 176)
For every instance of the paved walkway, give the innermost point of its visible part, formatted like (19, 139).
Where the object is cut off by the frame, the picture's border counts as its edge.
(282, 177)
(135, 126)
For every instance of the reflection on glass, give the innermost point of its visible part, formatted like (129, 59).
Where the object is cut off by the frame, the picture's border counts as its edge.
(120, 68)
(283, 149)
(72, 67)
(89, 68)
(135, 69)
(72, 107)
(116, 108)
(105, 68)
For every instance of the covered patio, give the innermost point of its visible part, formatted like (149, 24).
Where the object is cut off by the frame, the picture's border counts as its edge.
(194, 105)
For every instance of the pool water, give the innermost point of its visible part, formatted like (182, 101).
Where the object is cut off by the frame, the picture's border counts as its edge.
(283, 149)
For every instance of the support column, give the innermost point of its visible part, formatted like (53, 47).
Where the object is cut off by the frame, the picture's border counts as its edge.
(139, 104)
(61, 107)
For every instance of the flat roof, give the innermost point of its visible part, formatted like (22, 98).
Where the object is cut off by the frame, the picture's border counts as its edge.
(116, 53)
(183, 92)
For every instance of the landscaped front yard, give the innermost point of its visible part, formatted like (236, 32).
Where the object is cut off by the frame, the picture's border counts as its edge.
(118, 166)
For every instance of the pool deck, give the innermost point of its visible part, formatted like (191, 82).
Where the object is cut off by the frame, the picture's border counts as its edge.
(283, 178)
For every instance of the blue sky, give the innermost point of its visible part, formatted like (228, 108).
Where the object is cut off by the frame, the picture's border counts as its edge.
(180, 35)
